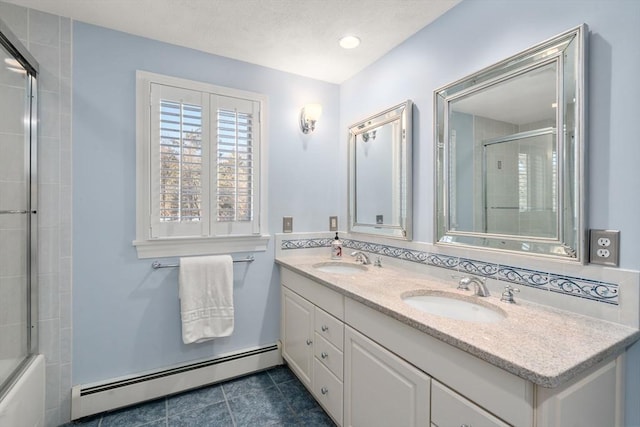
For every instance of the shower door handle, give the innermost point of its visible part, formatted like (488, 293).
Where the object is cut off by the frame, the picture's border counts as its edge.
(15, 212)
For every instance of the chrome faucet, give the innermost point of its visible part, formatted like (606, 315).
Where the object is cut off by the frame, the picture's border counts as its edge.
(361, 257)
(479, 287)
(507, 295)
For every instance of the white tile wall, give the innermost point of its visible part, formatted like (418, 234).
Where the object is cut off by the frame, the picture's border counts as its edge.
(48, 38)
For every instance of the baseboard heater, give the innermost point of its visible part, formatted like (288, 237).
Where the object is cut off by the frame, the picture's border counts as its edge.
(90, 399)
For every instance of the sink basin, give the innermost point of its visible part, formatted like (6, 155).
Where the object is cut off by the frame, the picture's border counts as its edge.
(454, 306)
(339, 268)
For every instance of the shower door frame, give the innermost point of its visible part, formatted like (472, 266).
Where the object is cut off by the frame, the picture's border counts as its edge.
(14, 47)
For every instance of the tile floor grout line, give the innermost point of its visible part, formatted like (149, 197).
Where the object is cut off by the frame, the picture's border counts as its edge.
(226, 401)
(166, 411)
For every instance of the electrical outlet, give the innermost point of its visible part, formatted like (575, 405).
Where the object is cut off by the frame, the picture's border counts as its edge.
(604, 247)
(287, 224)
(333, 223)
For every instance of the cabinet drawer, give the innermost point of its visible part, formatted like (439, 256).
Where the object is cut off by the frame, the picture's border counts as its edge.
(328, 391)
(318, 294)
(448, 408)
(329, 355)
(329, 328)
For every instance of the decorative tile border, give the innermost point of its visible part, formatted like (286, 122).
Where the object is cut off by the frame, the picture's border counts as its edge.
(603, 292)
(306, 243)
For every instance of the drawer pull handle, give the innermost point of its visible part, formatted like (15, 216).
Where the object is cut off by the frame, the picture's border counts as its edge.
(309, 342)
(324, 390)
(465, 425)
(324, 355)
(325, 328)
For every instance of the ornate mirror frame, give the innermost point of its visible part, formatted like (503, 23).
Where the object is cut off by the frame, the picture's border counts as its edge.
(393, 127)
(566, 55)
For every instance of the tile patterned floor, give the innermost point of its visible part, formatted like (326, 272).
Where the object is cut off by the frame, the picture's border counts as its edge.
(270, 398)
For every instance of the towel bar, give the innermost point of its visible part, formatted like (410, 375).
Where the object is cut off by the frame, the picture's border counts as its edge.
(157, 264)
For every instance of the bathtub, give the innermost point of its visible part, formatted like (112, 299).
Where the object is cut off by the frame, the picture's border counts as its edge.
(23, 406)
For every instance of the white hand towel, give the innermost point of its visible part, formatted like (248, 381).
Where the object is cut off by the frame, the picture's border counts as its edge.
(206, 297)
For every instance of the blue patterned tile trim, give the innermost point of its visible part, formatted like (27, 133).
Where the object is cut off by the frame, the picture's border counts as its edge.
(306, 243)
(603, 292)
(522, 276)
(585, 288)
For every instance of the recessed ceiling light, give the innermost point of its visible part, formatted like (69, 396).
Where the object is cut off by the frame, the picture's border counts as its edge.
(349, 42)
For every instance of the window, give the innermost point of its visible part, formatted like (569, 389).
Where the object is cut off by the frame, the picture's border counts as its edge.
(201, 168)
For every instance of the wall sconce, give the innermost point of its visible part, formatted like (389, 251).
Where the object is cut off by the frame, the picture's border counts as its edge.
(371, 135)
(309, 115)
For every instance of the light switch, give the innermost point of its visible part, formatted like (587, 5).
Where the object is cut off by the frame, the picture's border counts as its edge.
(333, 223)
(287, 224)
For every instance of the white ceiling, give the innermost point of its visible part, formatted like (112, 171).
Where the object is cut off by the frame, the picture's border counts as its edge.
(296, 36)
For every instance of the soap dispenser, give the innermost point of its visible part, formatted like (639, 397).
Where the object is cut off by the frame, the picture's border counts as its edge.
(336, 248)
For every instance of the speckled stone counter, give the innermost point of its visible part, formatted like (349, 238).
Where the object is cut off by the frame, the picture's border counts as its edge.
(543, 345)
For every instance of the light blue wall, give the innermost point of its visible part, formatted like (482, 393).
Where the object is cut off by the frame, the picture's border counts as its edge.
(126, 315)
(478, 33)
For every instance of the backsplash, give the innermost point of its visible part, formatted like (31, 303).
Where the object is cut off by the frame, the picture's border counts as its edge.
(607, 293)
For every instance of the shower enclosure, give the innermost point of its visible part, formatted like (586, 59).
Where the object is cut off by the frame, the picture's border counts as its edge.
(520, 182)
(18, 198)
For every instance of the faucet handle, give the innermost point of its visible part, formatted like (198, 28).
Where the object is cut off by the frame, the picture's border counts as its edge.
(507, 295)
(463, 282)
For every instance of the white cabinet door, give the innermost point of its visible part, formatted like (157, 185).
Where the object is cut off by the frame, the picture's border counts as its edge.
(297, 334)
(380, 389)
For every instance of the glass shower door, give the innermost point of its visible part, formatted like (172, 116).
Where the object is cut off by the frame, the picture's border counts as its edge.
(17, 212)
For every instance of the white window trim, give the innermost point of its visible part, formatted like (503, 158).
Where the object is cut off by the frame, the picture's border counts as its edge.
(148, 247)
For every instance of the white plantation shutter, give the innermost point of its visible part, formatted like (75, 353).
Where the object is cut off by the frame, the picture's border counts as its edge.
(204, 164)
(180, 162)
(179, 165)
(237, 159)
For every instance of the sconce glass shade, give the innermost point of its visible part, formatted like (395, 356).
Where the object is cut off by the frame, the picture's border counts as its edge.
(309, 115)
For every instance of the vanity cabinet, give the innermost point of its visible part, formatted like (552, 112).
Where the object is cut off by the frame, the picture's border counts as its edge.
(313, 339)
(368, 369)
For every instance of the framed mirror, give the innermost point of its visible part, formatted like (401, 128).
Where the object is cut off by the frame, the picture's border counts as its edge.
(510, 153)
(380, 173)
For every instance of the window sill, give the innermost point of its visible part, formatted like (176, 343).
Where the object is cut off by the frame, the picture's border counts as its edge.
(200, 246)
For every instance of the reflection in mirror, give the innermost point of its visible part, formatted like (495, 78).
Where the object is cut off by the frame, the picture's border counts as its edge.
(520, 175)
(380, 174)
(506, 177)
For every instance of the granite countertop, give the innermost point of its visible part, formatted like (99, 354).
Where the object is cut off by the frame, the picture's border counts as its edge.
(544, 345)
